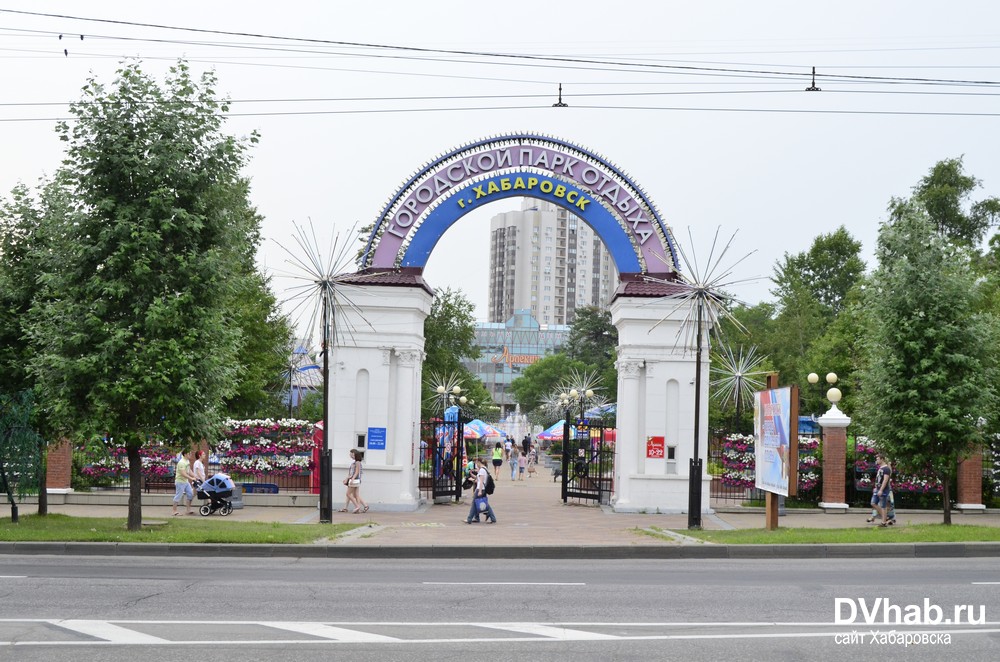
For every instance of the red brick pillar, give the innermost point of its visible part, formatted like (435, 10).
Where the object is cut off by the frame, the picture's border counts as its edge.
(59, 465)
(970, 482)
(834, 424)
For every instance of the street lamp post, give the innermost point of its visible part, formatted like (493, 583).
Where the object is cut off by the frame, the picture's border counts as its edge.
(831, 379)
(326, 457)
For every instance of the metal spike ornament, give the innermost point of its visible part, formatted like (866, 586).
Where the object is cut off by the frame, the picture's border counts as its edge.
(325, 284)
(706, 301)
(738, 378)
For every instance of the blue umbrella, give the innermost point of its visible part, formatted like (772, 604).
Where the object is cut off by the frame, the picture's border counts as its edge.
(555, 433)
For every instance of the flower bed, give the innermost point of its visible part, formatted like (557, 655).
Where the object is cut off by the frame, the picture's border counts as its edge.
(261, 448)
(865, 467)
(251, 449)
(112, 466)
(739, 463)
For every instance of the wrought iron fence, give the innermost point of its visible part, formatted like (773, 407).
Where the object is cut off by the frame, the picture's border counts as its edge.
(731, 467)
(86, 478)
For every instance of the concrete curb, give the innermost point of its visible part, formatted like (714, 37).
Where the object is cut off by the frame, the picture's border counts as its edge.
(653, 552)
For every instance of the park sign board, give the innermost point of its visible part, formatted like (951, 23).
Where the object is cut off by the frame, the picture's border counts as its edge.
(376, 439)
(521, 165)
(775, 415)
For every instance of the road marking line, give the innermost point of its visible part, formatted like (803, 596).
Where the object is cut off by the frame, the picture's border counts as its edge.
(570, 636)
(329, 632)
(109, 632)
(985, 583)
(504, 584)
(13, 576)
(552, 632)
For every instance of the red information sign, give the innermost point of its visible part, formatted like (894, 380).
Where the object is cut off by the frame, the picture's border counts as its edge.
(654, 447)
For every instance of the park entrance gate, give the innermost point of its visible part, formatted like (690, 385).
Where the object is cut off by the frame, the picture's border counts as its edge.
(443, 457)
(376, 380)
(588, 462)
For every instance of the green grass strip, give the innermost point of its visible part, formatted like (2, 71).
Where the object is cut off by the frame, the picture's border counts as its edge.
(905, 533)
(63, 528)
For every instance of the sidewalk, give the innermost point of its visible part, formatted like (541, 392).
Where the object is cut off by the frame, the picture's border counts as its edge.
(530, 514)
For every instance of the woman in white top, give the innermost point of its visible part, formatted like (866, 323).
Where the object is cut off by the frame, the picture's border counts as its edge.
(353, 482)
(198, 470)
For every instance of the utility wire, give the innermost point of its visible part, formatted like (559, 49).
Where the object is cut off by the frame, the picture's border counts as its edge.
(548, 107)
(582, 95)
(511, 56)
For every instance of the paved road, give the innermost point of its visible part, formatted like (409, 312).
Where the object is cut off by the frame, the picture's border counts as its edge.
(100, 608)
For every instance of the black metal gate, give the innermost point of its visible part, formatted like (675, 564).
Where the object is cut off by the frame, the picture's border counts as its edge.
(442, 460)
(588, 462)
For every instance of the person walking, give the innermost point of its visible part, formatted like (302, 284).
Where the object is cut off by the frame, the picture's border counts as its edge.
(512, 461)
(353, 483)
(497, 460)
(880, 493)
(480, 491)
(522, 465)
(880, 464)
(198, 469)
(182, 484)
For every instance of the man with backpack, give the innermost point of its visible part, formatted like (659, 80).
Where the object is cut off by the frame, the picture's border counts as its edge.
(484, 487)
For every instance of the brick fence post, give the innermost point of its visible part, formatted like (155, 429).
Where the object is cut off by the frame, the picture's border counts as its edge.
(59, 466)
(834, 424)
(970, 482)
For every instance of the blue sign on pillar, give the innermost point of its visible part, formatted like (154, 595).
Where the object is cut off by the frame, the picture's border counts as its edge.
(376, 439)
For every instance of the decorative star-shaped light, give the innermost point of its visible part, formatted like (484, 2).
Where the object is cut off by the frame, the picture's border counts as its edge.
(322, 280)
(737, 376)
(704, 296)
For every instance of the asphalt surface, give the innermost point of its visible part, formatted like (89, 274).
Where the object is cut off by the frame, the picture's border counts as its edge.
(533, 522)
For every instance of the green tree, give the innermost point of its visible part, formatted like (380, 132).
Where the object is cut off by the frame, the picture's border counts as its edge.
(449, 337)
(267, 342)
(449, 333)
(838, 350)
(931, 372)
(593, 340)
(800, 323)
(540, 379)
(141, 341)
(945, 194)
(20, 449)
(29, 249)
(827, 271)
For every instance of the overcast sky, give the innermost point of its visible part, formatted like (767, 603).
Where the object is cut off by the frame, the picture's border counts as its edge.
(702, 103)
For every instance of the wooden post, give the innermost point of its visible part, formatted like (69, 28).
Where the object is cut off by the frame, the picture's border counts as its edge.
(770, 511)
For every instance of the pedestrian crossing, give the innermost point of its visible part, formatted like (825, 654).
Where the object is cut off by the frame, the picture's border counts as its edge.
(85, 633)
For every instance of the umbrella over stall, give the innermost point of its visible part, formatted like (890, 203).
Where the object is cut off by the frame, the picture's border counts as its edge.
(477, 429)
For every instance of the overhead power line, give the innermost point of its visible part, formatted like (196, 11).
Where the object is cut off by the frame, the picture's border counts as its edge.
(508, 56)
(570, 108)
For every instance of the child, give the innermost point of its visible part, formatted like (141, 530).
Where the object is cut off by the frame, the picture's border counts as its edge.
(522, 464)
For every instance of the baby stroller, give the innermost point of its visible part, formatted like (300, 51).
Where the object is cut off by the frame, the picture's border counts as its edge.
(217, 490)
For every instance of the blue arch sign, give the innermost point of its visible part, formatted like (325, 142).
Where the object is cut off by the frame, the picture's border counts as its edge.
(518, 165)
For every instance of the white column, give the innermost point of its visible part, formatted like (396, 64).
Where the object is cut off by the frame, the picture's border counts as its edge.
(627, 445)
(404, 448)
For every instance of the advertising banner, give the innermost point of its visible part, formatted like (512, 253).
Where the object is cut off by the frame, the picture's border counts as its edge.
(654, 448)
(772, 428)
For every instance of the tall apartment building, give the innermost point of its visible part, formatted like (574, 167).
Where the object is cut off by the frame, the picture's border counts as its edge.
(547, 261)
